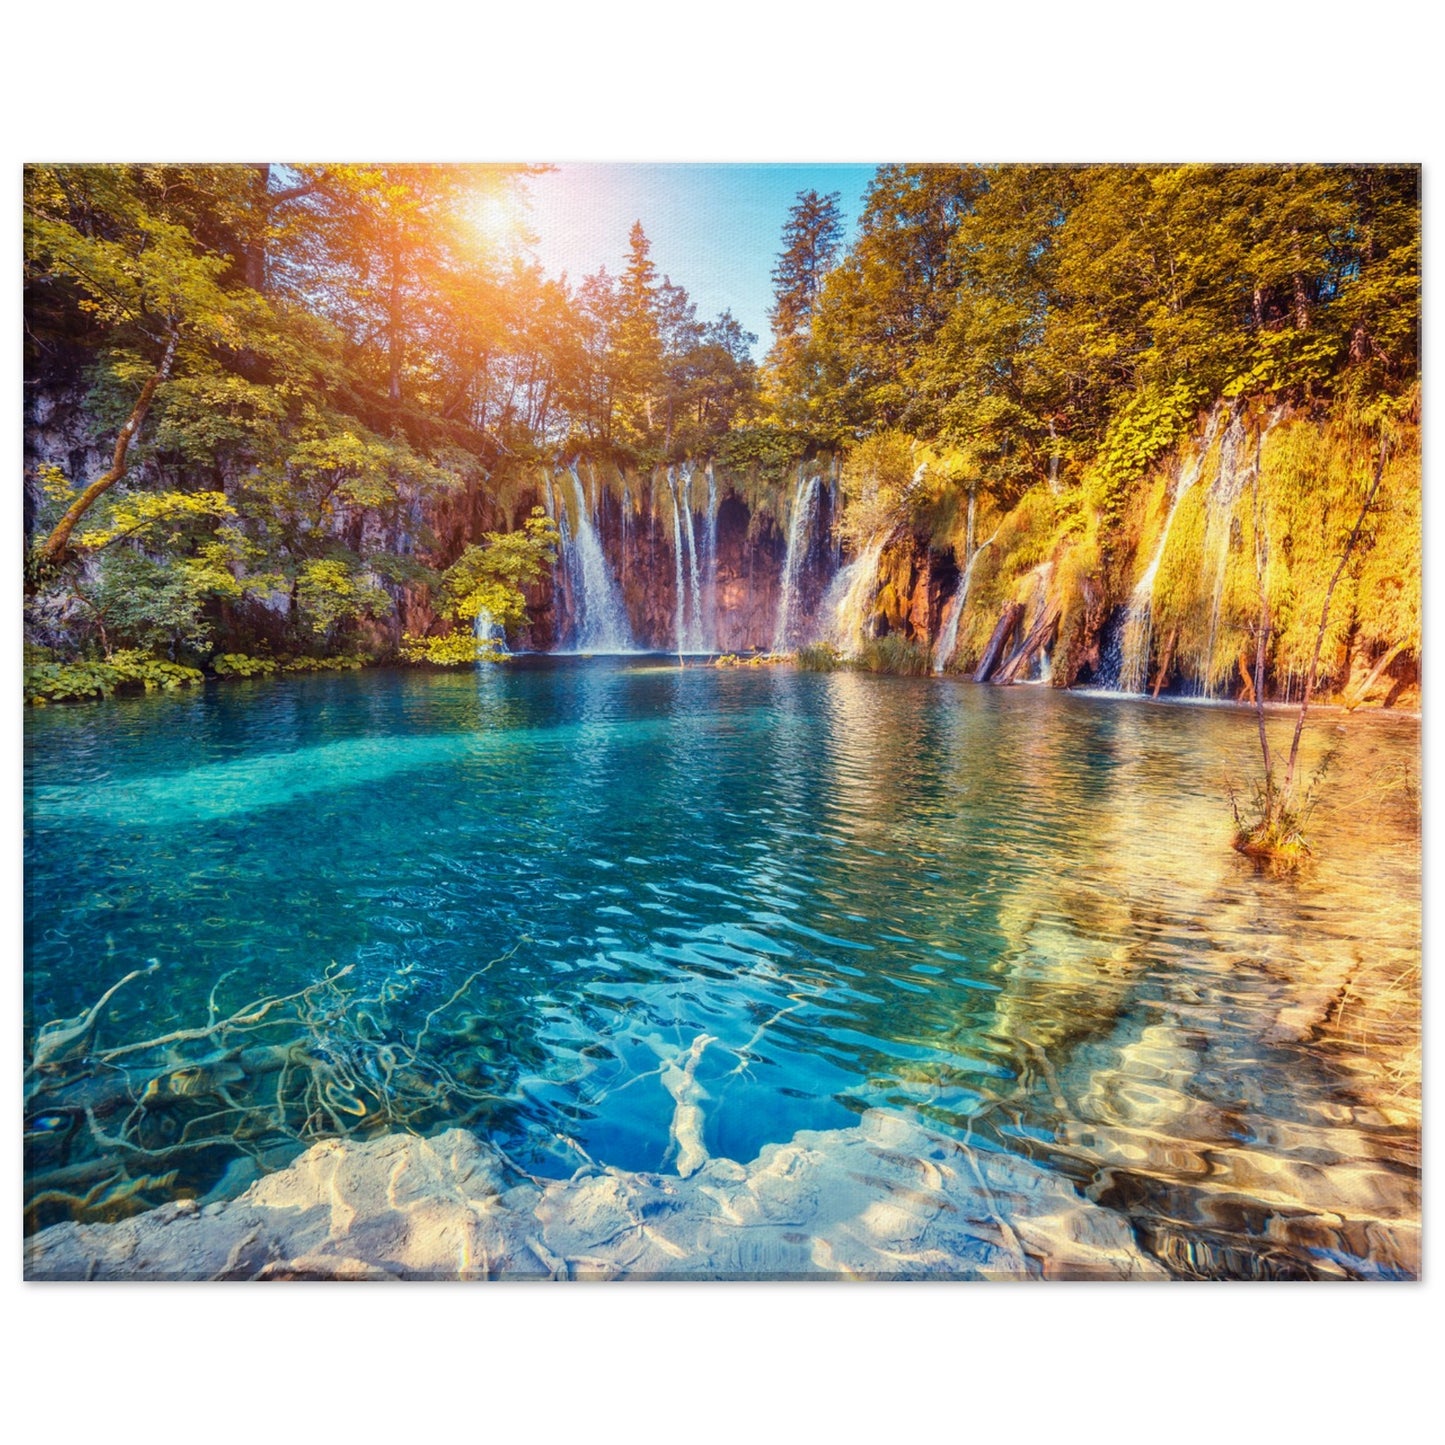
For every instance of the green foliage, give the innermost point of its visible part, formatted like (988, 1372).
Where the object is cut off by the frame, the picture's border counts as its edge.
(1144, 428)
(336, 662)
(1037, 316)
(49, 680)
(487, 581)
(769, 451)
(454, 649)
(882, 485)
(238, 664)
(330, 593)
(163, 516)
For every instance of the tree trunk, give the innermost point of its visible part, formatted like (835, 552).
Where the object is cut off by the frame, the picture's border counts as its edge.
(393, 326)
(1246, 681)
(1313, 672)
(1261, 640)
(1007, 622)
(56, 546)
(1358, 694)
(1166, 661)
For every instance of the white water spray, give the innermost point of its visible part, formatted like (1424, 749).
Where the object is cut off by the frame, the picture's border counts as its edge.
(800, 535)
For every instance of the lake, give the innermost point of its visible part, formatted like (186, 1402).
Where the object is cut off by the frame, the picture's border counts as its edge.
(1013, 914)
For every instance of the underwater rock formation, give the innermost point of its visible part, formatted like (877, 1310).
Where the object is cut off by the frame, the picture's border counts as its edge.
(885, 1198)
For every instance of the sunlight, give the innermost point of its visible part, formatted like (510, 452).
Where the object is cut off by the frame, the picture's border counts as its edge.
(495, 220)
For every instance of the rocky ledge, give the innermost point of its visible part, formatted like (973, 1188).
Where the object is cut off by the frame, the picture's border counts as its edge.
(883, 1199)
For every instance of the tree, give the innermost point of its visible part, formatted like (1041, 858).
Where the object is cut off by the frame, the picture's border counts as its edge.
(151, 291)
(638, 344)
(1276, 831)
(486, 582)
(812, 237)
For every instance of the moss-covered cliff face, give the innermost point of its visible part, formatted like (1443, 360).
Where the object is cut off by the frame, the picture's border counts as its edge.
(1247, 518)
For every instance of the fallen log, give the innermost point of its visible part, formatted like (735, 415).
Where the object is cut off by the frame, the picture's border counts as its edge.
(1008, 621)
(1356, 695)
(1038, 637)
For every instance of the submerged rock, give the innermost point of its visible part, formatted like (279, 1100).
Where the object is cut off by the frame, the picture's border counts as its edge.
(884, 1199)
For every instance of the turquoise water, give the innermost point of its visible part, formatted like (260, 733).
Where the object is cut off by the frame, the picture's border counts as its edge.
(1011, 911)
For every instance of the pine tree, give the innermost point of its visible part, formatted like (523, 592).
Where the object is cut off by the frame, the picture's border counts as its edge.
(639, 340)
(811, 240)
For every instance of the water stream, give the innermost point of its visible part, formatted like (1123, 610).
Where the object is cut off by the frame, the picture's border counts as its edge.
(953, 612)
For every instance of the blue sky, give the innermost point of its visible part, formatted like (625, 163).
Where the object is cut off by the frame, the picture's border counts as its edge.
(715, 229)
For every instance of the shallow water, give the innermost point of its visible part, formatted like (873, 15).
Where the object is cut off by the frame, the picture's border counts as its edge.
(1013, 912)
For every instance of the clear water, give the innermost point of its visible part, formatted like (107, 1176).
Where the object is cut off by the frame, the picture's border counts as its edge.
(1013, 912)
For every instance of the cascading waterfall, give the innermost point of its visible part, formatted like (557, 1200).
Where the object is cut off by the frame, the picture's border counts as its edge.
(626, 520)
(848, 603)
(1219, 521)
(1138, 620)
(709, 557)
(688, 629)
(601, 622)
(948, 637)
(695, 637)
(680, 629)
(800, 535)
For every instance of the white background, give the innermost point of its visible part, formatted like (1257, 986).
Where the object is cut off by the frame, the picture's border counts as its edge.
(735, 81)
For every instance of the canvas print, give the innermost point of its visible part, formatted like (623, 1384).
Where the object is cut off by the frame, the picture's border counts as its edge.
(722, 722)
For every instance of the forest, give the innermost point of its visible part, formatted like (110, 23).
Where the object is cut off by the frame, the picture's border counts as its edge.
(295, 416)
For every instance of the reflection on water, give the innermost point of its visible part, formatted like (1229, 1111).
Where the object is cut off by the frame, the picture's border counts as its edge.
(1014, 913)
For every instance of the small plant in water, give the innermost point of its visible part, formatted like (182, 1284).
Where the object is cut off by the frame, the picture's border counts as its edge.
(819, 657)
(1269, 828)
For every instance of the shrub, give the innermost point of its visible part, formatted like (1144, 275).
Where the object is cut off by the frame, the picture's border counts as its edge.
(894, 654)
(48, 679)
(238, 664)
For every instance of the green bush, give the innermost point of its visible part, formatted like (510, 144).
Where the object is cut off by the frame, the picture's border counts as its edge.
(238, 664)
(345, 662)
(47, 679)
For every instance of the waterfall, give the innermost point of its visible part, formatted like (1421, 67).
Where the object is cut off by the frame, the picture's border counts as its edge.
(490, 634)
(601, 621)
(948, 637)
(688, 629)
(849, 599)
(800, 534)
(694, 635)
(1138, 620)
(709, 557)
(1218, 523)
(626, 519)
(680, 629)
